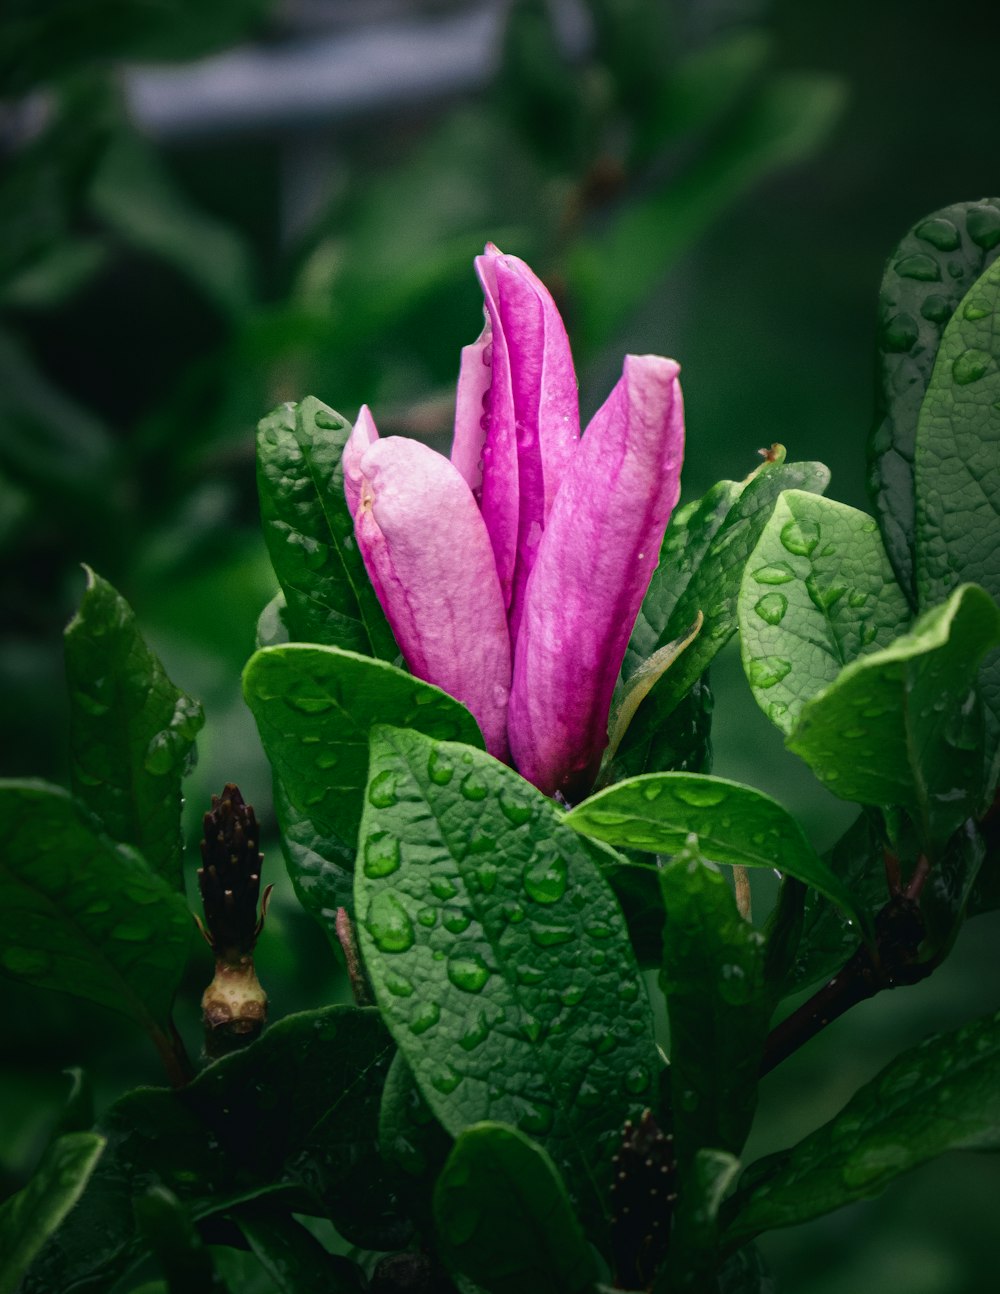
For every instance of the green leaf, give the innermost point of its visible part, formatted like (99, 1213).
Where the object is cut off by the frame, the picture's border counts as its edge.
(321, 866)
(678, 741)
(136, 196)
(83, 915)
(166, 1227)
(817, 592)
(504, 1219)
(828, 938)
(412, 1142)
(310, 534)
(784, 123)
(734, 824)
(131, 731)
(958, 449)
(933, 267)
(701, 565)
(314, 708)
(942, 1095)
(499, 956)
(28, 1218)
(293, 1116)
(719, 1007)
(892, 730)
(693, 1260)
(294, 1259)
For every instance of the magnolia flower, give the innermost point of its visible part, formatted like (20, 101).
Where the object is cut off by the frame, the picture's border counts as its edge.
(512, 573)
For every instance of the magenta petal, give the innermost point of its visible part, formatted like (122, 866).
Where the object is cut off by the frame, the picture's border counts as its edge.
(534, 423)
(430, 561)
(363, 436)
(594, 563)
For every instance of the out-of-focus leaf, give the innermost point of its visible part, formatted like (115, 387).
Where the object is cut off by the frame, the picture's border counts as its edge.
(933, 267)
(131, 730)
(504, 1218)
(134, 195)
(46, 440)
(83, 915)
(611, 274)
(694, 1248)
(45, 40)
(412, 1142)
(28, 1218)
(942, 1095)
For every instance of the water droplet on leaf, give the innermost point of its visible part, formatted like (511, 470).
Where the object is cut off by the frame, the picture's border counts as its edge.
(468, 972)
(388, 923)
(382, 855)
(545, 879)
(772, 607)
(382, 792)
(800, 537)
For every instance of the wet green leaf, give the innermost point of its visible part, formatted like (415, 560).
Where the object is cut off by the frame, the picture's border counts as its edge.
(499, 956)
(942, 1095)
(28, 1218)
(504, 1219)
(896, 727)
(817, 593)
(314, 708)
(83, 915)
(310, 533)
(925, 278)
(131, 730)
(293, 1117)
(719, 1005)
(957, 456)
(733, 824)
(701, 565)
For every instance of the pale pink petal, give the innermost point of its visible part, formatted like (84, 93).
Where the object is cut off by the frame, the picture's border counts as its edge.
(362, 437)
(594, 563)
(533, 423)
(472, 409)
(429, 558)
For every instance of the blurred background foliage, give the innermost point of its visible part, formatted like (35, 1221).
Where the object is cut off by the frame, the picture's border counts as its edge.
(211, 206)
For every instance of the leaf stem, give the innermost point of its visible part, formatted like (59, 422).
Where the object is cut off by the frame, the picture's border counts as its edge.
(899, 931)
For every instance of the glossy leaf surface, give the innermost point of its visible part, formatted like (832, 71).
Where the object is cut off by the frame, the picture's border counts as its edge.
(504, 1218)
(131, 731)
(82, 914)
(926, 277)
(817, 593)
(942, 1095)
(499, 955)
(898, 727)
(733, 824)
(310, 532)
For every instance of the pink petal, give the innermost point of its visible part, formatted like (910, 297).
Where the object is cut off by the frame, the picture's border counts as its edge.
(599, 550)
(471, 409)
(428, 554)
(362, 437)
(534, 421)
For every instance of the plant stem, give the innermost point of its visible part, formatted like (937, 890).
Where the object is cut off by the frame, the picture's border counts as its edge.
(899, 931)
(173, 1053)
